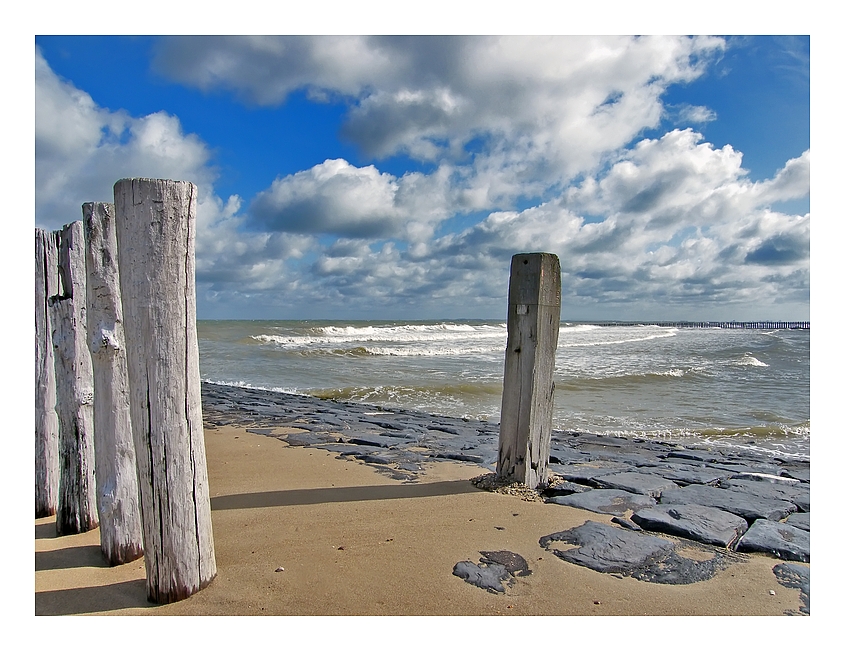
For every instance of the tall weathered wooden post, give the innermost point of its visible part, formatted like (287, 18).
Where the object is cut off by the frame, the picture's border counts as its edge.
(46, 420)
(118, 504)
(77, 504)
(156, 221)
(528, 394)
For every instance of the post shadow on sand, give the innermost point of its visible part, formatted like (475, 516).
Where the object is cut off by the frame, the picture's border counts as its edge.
(46, 530)
(78, 601)
(62, 559)
(299, 497)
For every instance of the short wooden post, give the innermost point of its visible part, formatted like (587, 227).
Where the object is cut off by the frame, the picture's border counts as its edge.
(77, 504)
(528, 393)
(156, 221)
(46, 420)
(118, 505)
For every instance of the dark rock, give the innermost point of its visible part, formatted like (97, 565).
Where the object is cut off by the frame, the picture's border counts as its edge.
(490, 577)
(386, 424)
(457, 456)
(781, 540)
(565, 488)
(494, 571)
(747, 505)
(645, 557)
(513, 563)
(410, 466)
(626, 523)
(606, 500)
(695, 455)
(374, 459)
(798, 495)
(685, 475)
(794, 576)
(314, 427)
(368, 441)
(604, 548)
(676, 569)
(702, 523)
(444, 428)
(587, 472)
(635, 482)
(800, 473)
(305, 439)
(800, 520)
(564, 456)
(745, 466)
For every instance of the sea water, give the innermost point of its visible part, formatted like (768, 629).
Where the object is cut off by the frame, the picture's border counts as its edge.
(721, 387)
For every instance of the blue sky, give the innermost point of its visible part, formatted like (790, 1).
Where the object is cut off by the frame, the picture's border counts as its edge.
(386, 177)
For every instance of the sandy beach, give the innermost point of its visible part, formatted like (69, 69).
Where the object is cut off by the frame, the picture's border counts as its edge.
(352, 541)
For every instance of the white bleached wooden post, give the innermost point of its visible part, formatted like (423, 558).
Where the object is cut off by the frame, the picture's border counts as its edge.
(46, 420)
(77, 503)
(528, 392)
(156, 222)
(118, 505)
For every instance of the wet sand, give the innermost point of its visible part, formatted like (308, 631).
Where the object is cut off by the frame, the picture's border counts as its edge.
(356, 542)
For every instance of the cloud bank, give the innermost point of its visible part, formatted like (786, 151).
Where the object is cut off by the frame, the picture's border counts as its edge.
(520, 144)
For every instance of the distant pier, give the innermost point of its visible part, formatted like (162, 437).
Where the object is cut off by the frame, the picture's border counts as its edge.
(729, 325)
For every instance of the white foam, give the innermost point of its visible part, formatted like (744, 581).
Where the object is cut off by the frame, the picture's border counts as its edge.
(750, 360)
(430, 340)
(613, 336)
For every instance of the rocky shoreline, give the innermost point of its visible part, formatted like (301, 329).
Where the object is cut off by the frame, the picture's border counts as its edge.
(680, 513)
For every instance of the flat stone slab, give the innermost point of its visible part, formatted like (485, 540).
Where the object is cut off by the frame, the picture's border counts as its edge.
(798, 495)
(625, 523)
(800, 473)
(636, 482)
(736, 468)
(494, 572)
(305, 439)
(513, 563)
(606, 500)
(491, 577)
(587, 472)
(794, 576)
(563, 455)
(565, 488)
(696, 455)
(702, 523)
(685, 475)
(776, 538)
(747, 505)
(605, 548)
(800, 520)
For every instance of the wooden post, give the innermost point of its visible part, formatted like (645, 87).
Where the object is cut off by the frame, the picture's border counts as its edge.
(77, 504)
(528, 393)
(156, 222)
(46, 420)
(119, 510)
